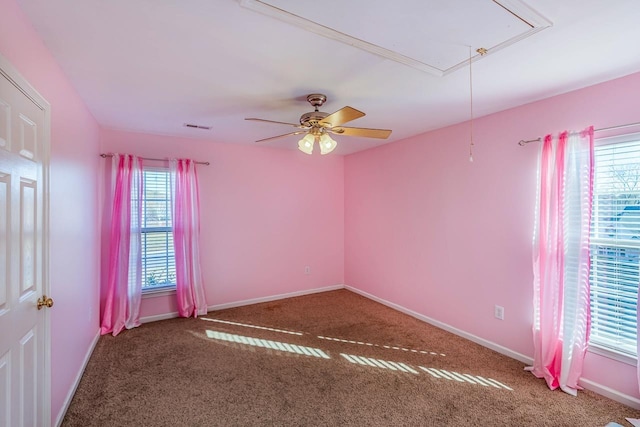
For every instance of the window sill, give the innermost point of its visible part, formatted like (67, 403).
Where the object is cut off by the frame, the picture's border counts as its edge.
(615, 355)
(158, 292)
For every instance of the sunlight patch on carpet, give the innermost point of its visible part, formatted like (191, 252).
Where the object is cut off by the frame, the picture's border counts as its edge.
(388, 347)
(246, 325)
(273, 345)
(378, 363)
(436, 373)
(472, 379)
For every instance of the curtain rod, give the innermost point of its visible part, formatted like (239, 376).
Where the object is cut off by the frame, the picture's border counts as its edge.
(103, 155)
(522, 142)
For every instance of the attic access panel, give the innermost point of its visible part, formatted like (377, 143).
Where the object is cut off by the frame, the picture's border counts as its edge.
(432, 36)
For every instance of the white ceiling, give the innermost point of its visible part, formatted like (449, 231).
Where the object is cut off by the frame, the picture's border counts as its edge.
(152, 65)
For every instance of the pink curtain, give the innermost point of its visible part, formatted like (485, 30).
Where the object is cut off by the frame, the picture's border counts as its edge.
(186, 239)
(561, 259)
(123, 294)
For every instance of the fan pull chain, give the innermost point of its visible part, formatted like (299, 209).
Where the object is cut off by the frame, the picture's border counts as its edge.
(471, 105)
(482, 51)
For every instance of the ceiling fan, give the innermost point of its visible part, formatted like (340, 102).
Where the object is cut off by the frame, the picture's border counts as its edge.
(317, 126)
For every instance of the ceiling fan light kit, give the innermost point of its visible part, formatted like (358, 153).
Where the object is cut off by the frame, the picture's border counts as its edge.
(327, 144)
(306, 144)
(317, 126)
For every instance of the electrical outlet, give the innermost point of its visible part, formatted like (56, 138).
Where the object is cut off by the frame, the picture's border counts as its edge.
(499, 312)
(307, 270)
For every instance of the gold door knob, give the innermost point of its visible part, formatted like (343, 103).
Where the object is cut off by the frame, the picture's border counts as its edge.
(44, 302)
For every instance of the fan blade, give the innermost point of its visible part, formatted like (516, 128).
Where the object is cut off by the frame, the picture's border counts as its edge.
(273, 121)
(342, 116)
(365, 132)
(281, 136)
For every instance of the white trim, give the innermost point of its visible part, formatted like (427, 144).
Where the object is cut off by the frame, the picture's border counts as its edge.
(612, 354)
(162, 292)
(535, 20)
(76, 382)
(155, 318)
(586, 383)
(610, 393)
(13, 75)
(619, 137)
(174, 314)
(273, 297)
(485, 343)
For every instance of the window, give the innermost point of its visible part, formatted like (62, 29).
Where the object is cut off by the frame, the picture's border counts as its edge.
(158, 259)
(615, 245)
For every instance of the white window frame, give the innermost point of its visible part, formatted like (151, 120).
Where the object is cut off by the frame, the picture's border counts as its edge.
(163, 289)
(597, 348)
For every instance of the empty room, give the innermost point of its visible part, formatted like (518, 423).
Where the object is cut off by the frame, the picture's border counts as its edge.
(280, 212)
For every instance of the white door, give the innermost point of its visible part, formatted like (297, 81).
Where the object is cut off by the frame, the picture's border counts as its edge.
(24, 332)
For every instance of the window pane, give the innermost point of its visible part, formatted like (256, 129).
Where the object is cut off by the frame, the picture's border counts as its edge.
(615, 246)
(156, 207)
(158, 260)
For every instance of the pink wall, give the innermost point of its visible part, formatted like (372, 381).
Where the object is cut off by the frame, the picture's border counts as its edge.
(413, 222)
(266, 214)
(74, 243)
(449, 239)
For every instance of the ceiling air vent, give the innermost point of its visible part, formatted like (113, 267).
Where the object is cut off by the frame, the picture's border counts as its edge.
(191, 125)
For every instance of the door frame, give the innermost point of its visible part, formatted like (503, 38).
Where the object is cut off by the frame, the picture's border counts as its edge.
(8, 71)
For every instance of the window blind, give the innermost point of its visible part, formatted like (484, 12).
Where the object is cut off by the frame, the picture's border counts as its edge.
(615, 246)
(158, 259)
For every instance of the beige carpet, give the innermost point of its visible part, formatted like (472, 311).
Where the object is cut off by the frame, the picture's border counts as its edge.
(329, 359)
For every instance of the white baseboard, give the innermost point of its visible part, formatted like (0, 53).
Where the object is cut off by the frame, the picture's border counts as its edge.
(157, 317)
(586, 383)
(215, 307)
(76, 382)
(610, 393)
(485, 343)
(273, 297)
(172, 315)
